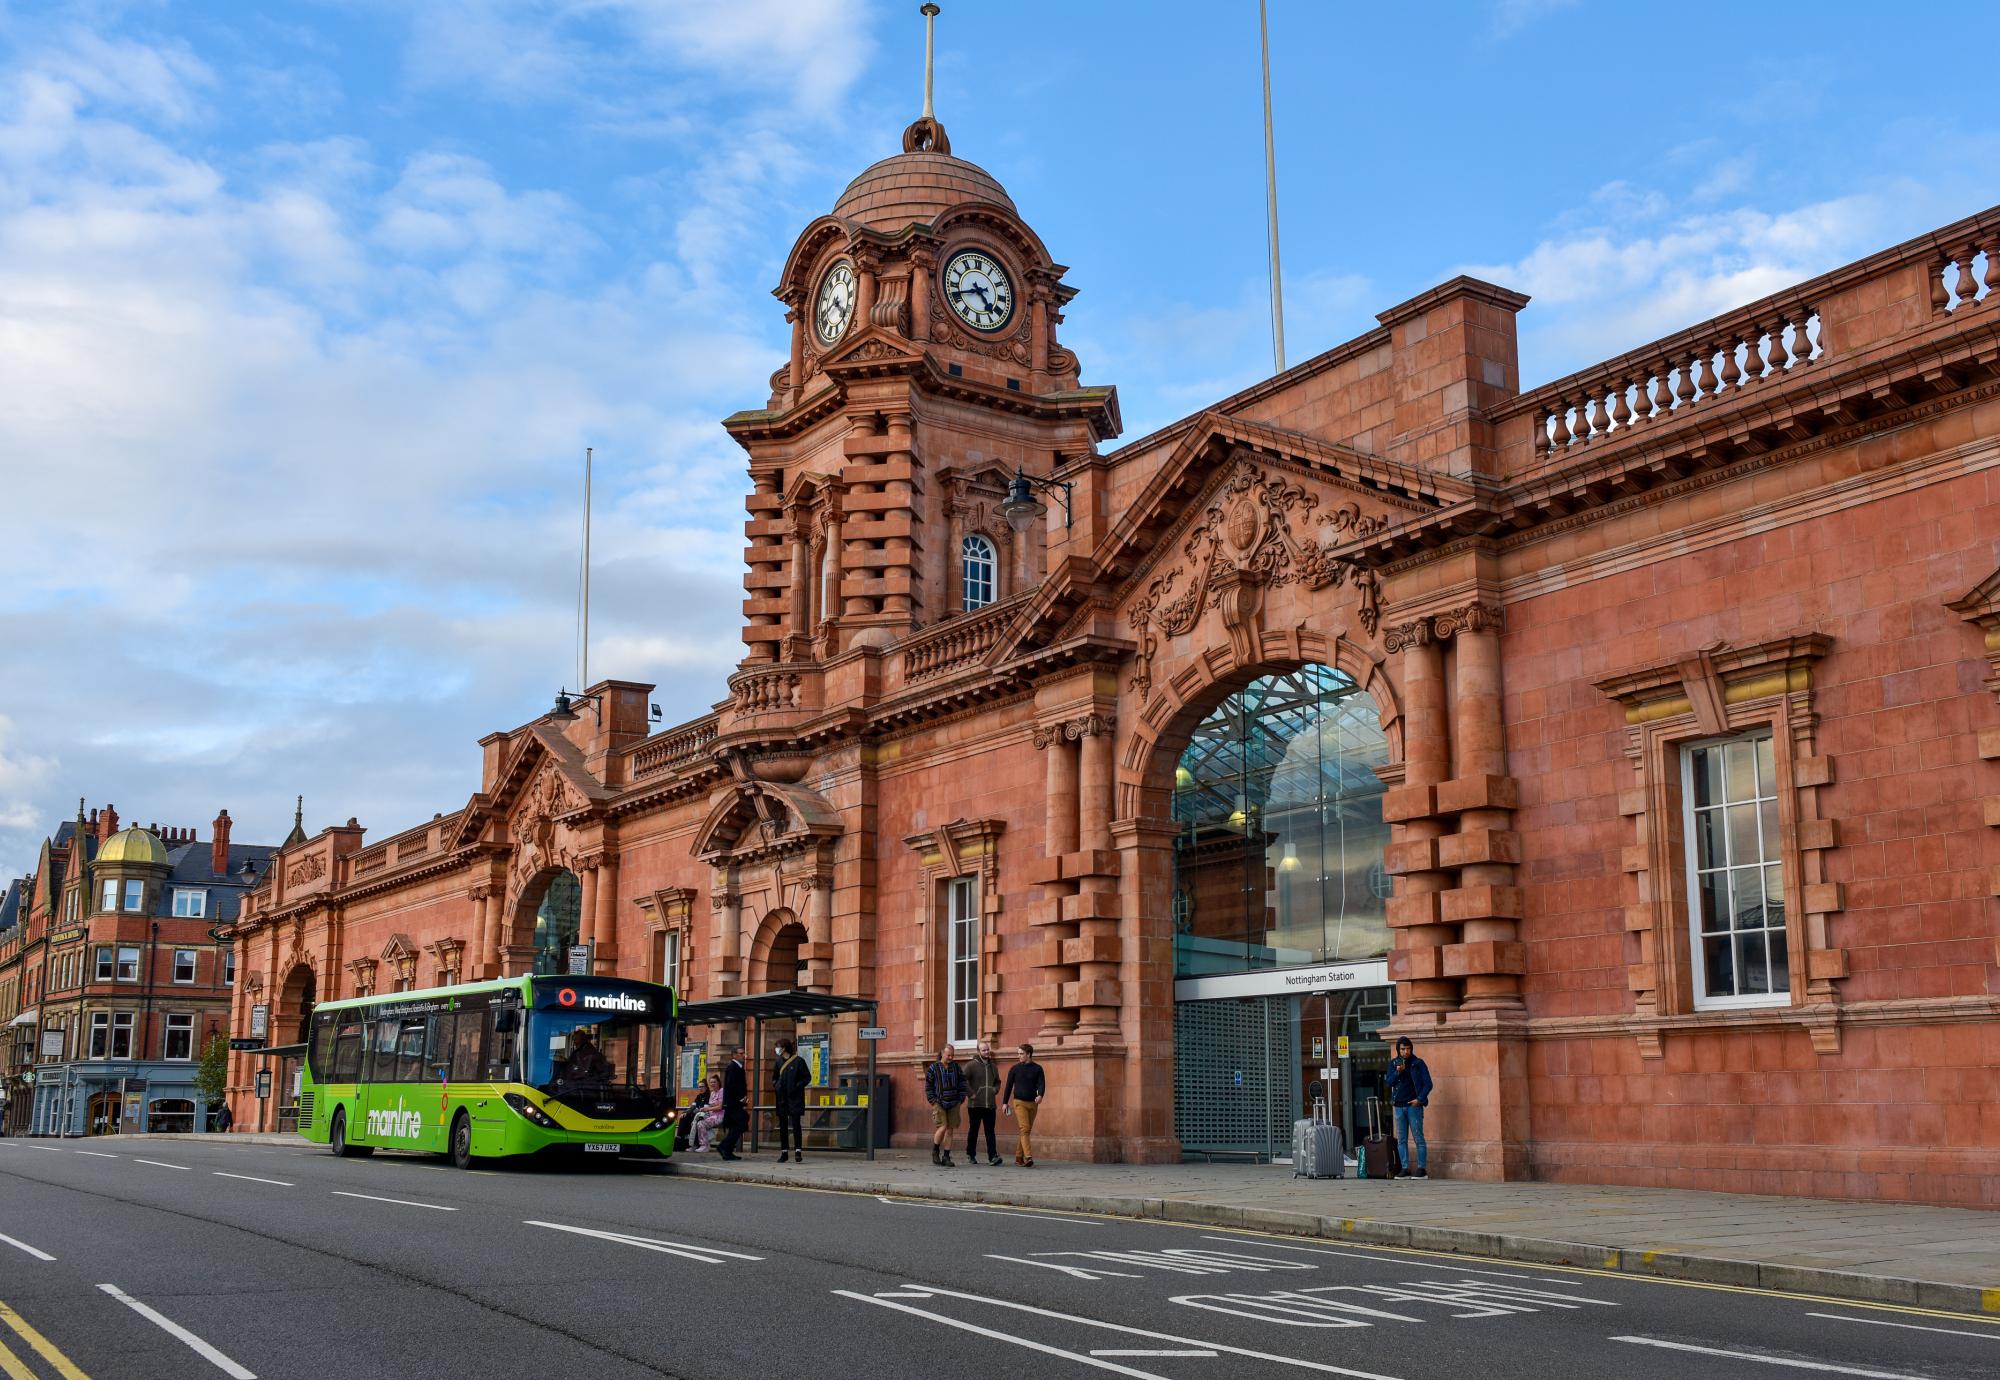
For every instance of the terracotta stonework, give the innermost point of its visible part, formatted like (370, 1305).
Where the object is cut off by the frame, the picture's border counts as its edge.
(1782, 525)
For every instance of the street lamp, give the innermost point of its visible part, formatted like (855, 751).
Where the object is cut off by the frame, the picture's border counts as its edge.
(1022, 509)
(565, 713)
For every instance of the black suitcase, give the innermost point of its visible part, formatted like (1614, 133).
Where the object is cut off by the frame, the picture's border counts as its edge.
(1376, 1155)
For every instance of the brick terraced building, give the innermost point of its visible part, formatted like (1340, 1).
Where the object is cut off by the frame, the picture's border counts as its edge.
(1632, 743)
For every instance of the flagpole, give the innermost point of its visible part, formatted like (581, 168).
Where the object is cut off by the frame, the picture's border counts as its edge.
(1271, 196)
(583, 672)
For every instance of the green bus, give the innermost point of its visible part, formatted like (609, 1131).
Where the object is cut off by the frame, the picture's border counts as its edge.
(516, 1066)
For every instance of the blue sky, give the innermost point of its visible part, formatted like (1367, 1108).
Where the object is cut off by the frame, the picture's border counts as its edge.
(307, 310)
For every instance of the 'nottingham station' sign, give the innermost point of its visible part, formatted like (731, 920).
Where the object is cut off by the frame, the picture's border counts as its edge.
(1274, 982)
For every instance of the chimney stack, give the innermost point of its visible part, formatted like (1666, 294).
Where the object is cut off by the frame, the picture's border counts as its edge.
(219, 864)
(107, 822)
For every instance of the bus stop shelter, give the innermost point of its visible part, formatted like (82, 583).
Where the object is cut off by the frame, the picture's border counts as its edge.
(751, 1013)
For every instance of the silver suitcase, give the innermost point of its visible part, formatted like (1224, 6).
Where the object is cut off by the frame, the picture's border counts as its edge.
(1316, 1146)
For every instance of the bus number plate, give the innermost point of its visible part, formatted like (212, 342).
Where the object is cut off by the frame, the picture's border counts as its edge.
(599, 1147)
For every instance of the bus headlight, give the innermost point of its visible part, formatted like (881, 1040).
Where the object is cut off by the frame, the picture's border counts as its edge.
(531, 1111)
(664, 1120)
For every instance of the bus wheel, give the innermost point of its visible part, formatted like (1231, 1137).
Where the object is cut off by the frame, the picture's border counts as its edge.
(339, 1139)
(461, 1142)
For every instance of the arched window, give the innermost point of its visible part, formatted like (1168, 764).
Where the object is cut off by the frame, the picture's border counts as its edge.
(557, 923)
(976, 566)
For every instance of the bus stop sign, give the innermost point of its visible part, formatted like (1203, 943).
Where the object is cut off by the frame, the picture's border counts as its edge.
(263, 1082)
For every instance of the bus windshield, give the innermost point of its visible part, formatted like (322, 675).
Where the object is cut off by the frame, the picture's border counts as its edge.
(593, 1059)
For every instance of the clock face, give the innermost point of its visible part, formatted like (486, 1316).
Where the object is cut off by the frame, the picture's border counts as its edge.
(978, 289)
(834, 305)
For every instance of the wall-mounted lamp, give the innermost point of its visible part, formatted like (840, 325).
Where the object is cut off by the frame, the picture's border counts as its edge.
(1022, 509)
(564, 713)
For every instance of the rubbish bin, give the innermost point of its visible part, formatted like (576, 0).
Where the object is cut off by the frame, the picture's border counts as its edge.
(850, 1088)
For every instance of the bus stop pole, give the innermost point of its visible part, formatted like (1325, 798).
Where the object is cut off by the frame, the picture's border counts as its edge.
(872, 1090)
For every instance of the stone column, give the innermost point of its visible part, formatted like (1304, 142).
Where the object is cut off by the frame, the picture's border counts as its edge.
(796, 375)
(604, 932)
(1097, 907)
(801, 590)
(1055, 972)
(1417, 962)
(727, 909)
(1489, 954)
(819, 936)
(586, 919)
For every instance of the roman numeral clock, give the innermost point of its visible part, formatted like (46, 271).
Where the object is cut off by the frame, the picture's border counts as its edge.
(978, 290)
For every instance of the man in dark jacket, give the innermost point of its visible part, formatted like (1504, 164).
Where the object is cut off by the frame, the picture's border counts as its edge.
(1021, 1099)
(735, 1106)
(789, 1086)
(944, 1089)
(1409, 1093)
(982, 1081)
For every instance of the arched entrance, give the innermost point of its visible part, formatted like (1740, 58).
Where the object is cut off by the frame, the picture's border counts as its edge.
(777, 965)
(1279, 908)
(558, 922)
(291, 1023)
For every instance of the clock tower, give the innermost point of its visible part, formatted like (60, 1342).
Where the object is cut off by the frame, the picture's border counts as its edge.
(925, 372)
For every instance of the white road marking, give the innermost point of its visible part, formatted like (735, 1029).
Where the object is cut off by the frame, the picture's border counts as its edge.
(1180, 1260)
(157, 1164)
(97, 1154)
(1772, 1360)
(1108, 1351)
(1376, 1256)
(174, 1329)
(1072, 1271)
(400, 1202)
(707, 1255)
(24, 1246)
(1012, 1340)
(1191, 1342)
(997, 1212)
(1914, 1327)
(224, 1174)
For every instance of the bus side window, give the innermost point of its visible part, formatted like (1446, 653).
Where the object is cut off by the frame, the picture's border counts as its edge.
(467, 1048)
(319, 1053)
(347, 1053)
(500, 1045)
(437, 1046)
(410, 1051)
(382, 1050)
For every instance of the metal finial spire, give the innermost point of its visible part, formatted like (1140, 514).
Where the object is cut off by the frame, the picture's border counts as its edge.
(930, 13)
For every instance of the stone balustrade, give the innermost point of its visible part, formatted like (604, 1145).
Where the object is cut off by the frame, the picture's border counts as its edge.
(674, 750)
(776, 689)
(959, 643)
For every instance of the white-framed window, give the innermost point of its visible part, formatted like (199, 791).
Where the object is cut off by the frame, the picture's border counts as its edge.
(184, 962)
(190, 902)
(229, 967)
(105, 971)
(121, 1035)
(128, 963)
(1735, 873)
(671, 959)
(962, 959)
(71, 904)
(110, 894)
(976, 566)
(178, 1042)
(100, 1034)
(135, 894)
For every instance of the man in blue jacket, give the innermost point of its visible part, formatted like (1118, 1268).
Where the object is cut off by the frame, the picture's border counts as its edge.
(1409, 1094)
(945, 1089)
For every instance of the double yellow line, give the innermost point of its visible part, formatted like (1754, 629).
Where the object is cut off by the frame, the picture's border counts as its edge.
(14, 1368)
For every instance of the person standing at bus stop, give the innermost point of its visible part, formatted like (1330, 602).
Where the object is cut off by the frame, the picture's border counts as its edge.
(735, 1109)
(788, 1089)
(1022, 1099)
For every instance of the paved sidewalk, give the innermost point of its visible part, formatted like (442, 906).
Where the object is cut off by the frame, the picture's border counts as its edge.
(1882, 1252)
(1891, 1253)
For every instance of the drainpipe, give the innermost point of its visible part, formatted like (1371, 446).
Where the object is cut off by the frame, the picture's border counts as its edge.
(145, 1020)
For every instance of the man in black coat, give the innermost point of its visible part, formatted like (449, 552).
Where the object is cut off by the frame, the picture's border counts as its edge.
(789, 1086)
(735, 1106)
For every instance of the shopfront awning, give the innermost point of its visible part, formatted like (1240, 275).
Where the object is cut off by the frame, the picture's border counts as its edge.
(25, 1018)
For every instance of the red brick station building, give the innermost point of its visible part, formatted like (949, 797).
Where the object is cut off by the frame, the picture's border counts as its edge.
(1631, 743)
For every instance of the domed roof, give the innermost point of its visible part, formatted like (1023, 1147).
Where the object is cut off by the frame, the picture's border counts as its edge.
(133, 846)
(916, 186)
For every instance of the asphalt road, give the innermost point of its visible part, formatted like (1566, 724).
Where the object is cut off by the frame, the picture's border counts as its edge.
(160, 1259)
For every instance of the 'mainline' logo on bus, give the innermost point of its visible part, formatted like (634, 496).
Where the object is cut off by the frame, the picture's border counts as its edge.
(594, 1001)
(401, 1124)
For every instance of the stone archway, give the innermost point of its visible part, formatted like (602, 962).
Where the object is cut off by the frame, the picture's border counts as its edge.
(543, 920)
(777, 958)
(291, 1021)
